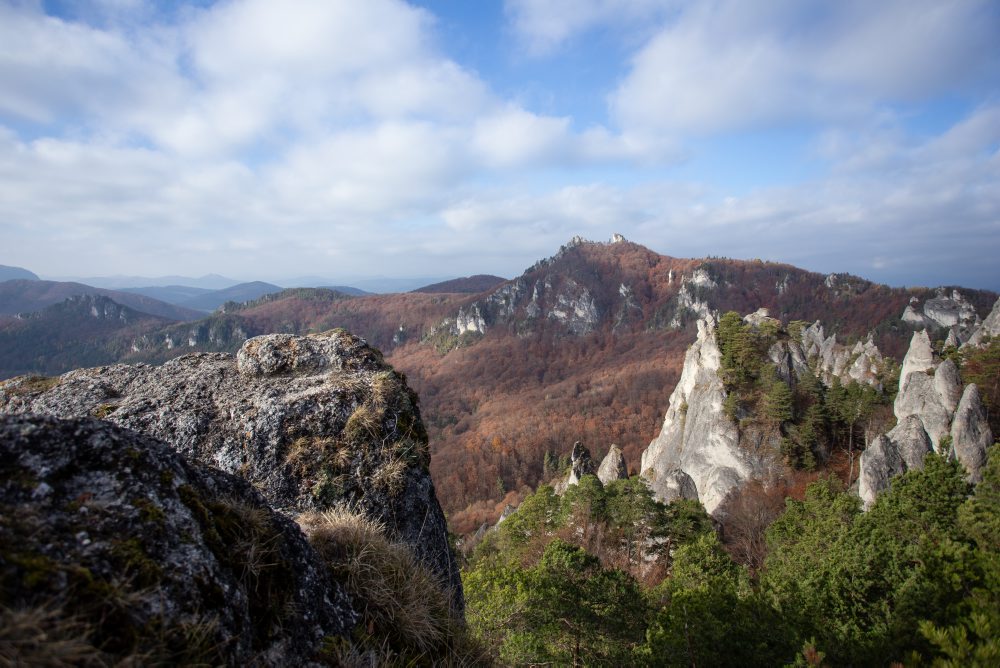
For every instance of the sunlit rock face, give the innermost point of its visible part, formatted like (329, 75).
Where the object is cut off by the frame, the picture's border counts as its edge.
(934, 413)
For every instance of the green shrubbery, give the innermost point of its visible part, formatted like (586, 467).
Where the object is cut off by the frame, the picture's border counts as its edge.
(916, 579)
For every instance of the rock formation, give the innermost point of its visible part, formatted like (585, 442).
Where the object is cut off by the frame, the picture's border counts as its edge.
(312, 422)
(117, 549)
(612, 466)
(934, 413)
(697, 439)
(581, 464)
(989, 328)
(948, 311)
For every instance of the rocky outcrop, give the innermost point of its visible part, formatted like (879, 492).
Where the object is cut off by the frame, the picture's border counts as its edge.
(313, 422)
(697, 437)
(989, 328)
(862, 363)
(948, 311)
(970, 433)
(581, 464)
(612, 466)
(668, 486)
(933, 413)
(115, 546)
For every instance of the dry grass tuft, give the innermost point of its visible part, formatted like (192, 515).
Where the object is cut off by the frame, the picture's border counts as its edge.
(45, 636)
(406, 612)
(391, 476)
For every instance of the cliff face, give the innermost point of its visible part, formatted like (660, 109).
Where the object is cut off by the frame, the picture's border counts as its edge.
(934, 412)
(697, 438)
(115, 548)
(313, 422)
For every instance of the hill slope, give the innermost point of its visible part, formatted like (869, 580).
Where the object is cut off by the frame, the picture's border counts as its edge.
(27, 296)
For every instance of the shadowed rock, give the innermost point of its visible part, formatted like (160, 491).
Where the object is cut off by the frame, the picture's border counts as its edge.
(133, 554)
(313, 422)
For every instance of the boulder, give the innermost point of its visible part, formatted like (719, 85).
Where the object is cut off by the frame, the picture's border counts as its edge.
(313, 422)
(879, 464)
(113, 544)
(612, 466)
(970, 433)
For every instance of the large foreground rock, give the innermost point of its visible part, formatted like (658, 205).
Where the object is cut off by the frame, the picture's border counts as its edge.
(312, 422)
(113, 548)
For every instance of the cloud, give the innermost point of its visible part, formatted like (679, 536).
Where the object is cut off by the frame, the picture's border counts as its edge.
(729, 65)
(545, 25)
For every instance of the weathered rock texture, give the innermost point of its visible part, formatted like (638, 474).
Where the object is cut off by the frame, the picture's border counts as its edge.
(311, 421)
(989, 328)
(862, 363)
(581, 464)
(933, 413)
(118, 547)
(612, 466)
(949, 311)
(698, 439)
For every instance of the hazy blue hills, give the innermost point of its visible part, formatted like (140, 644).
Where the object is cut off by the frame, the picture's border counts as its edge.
(11, 273)
(207, 301)
(27, 296)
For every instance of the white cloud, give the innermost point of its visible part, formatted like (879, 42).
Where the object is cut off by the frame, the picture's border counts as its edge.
(732, 65)
(545, 25)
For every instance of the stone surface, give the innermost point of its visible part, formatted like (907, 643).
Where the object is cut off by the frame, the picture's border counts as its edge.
(970, 433)
(313, 422)
(697, 437)
(990, 327)
(911, 441)
(880, 463)
(152, 555)
(612, 466)
(668, 486)
(581, 464)
(931, 409)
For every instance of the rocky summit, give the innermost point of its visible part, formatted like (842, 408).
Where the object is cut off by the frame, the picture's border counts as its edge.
(312, 422)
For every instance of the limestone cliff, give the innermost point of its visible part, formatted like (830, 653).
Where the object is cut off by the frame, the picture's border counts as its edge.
(934, 413)
(698, 441)
(313, 422)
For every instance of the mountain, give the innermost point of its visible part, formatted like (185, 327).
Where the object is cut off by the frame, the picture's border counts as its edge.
(346, 289)
(172, 294)
(24, 296)
(468, 285)
(84, 330)
(11, 273)
(242, 292)
(207, 282)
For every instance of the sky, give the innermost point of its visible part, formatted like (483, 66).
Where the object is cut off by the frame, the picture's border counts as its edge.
(264, 140)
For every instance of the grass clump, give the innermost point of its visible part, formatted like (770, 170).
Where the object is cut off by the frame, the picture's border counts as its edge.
(26, 385)
(406, 611)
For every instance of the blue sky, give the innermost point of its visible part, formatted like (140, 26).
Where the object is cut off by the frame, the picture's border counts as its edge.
(263, 139)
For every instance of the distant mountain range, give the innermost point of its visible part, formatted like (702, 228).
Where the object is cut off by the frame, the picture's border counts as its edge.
(11, 273)
(206, 300)
(26, 296)
(468, 285)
